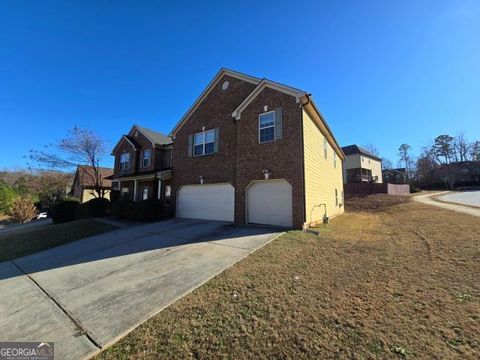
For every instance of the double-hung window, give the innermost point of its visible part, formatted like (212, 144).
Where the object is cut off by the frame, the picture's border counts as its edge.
(147, 157)
(325, 147)
(334, 159)
(125, 161)
(266, 127)
(204, 143)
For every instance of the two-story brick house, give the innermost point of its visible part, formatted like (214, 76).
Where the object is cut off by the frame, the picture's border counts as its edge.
(143, 165)
(252, 150)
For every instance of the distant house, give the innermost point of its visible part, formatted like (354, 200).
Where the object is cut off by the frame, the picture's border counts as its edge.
(143, 165)
(456, 174)
(83, 186)
(395, 176)
(361, 166)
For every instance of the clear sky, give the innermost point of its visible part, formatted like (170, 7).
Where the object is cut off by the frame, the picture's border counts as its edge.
(382, 72)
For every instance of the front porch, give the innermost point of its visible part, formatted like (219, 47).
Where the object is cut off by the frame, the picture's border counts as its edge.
(156, 185)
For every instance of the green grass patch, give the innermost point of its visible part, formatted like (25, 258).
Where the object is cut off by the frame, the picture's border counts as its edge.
(32, 240)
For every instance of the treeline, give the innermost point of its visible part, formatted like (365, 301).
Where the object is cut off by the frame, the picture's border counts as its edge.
(25, 192)
(445, 151)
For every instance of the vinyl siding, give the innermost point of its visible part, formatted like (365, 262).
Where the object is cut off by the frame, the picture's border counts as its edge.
(88, 195)
(321, 177)
(354, 162)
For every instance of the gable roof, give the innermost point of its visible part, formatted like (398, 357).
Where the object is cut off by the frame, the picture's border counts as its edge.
(260, 87)
(303, 98)
(206, 91)
(155, 137)
(85, 175)
(355, 149)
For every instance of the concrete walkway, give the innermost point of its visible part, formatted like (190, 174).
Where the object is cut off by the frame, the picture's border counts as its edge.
(86, 295)
(427, 199)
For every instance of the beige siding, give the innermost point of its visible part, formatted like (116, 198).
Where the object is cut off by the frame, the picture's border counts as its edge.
(354, 161)
(88, 195)
(321, 176)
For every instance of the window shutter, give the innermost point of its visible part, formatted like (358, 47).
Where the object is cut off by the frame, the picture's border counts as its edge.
(215, 144)
(190, 145)
(278, 123)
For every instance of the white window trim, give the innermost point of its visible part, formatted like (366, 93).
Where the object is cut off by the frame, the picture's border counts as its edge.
(204, 142)
(325, 148)
(267, 127)
(149, 158)
(334, 159)
(124, 167)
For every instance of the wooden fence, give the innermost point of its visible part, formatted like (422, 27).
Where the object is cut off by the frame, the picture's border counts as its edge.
(363, 189)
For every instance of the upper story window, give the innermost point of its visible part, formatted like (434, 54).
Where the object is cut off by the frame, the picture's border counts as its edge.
(147, 157)
(369, 160)
(204, 143)
(266, 127)
(334, 159)
(325, 147)
(125, 161)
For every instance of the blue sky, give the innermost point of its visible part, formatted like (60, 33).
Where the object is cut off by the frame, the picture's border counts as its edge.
(382, 72)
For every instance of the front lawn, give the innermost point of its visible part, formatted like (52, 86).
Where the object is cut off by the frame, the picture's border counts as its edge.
(399, 282)
(32, 240)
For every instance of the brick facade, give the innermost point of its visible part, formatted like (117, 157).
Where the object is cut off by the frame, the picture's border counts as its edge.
(241, 159)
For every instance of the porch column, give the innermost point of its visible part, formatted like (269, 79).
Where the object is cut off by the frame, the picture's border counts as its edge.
(159, 192)
(135, 186)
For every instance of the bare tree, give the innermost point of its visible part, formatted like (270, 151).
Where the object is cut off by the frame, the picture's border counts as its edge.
(372, 149)
(475, 151)
(387, 164)
(80, 147)
(461, 147)
(23, 209)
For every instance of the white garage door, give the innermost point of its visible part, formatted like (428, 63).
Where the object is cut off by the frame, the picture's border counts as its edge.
(270, 203)
(208, 201)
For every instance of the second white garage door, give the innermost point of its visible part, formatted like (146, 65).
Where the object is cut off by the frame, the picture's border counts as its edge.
(208, 201)
(270, 203)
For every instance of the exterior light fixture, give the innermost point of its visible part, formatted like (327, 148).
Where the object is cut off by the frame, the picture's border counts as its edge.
(266, 173)
(201, 179)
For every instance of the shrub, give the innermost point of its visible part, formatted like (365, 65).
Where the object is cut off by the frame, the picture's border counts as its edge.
(145, 210)
(23, 209)
(94, 208)
(66, 210)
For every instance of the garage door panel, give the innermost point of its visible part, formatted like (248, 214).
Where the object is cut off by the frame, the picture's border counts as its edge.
(270, 203)
(208, 201)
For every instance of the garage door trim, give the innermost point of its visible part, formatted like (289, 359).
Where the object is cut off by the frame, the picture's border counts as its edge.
(250, 184)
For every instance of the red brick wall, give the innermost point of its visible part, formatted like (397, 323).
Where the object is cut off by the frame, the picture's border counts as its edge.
(241, 159)
(283, 157)
(125, 147)
(213, 112)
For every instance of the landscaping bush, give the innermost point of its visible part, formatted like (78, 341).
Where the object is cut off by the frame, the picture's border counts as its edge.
(97, 207)
(145, 210)
(66, 210)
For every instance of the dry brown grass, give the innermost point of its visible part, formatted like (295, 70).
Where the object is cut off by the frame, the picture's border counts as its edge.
(373, 203)
(400, 282)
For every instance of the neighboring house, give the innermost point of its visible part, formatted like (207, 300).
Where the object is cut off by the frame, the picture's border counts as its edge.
(361, 166)
(255, 151)
(456, 174)
(143, 165)
(395, 176)
(84, 182)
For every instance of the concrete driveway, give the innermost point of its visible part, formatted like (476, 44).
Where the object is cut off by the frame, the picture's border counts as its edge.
(87, 294)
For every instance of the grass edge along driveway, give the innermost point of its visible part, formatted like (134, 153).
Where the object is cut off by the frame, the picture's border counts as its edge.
(29, 241)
